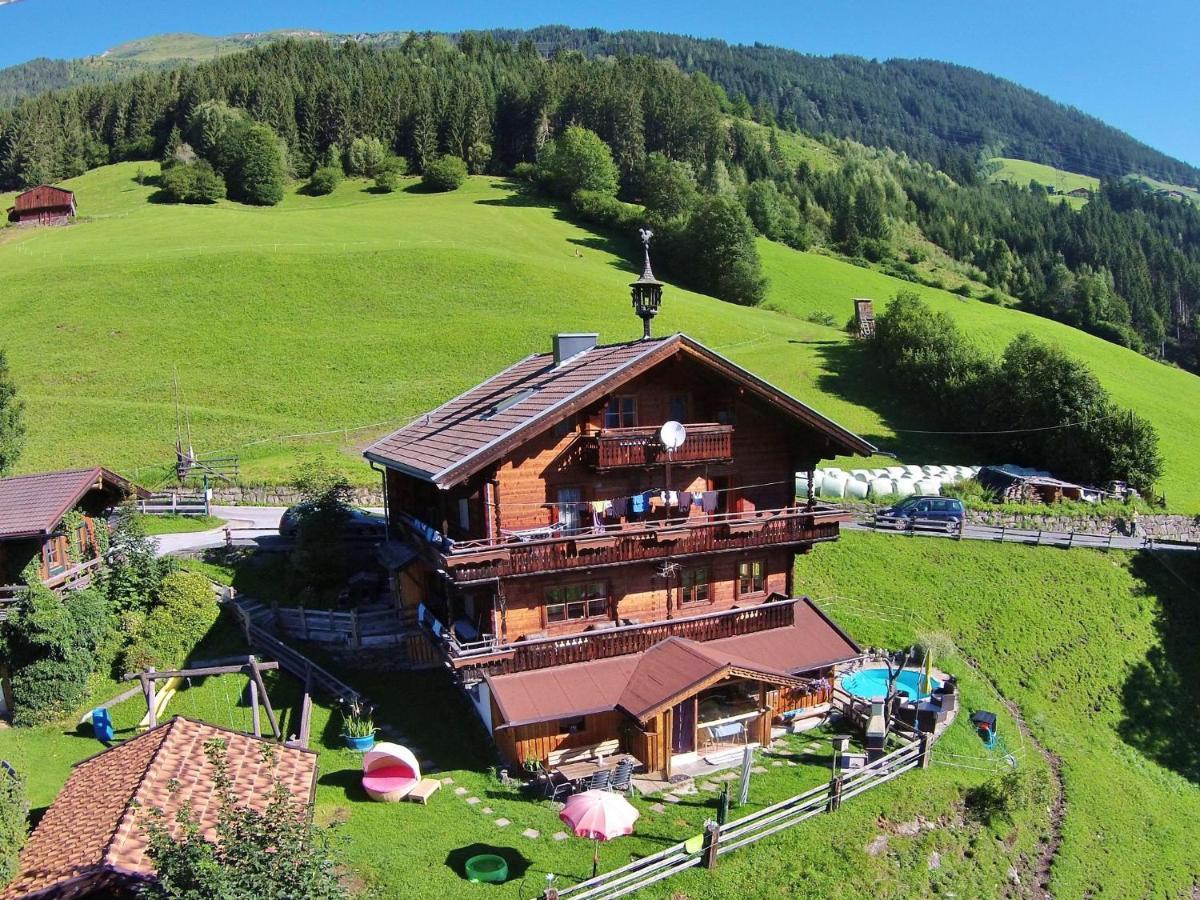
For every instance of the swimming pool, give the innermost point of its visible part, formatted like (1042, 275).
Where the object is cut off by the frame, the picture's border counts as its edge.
(873, 683)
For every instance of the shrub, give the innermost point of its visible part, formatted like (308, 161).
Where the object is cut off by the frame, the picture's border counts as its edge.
(14, 810)
(366, 156)
(195, 182)
(822, 318)
(324, 180)
(996, 800)
(524, 171)
(578, 160)
(256, 168)
(668, 186)
(134, 572)
(605, 209)
(387, 179)
(317, 556)
(185, 612)
(446, 173)
(963, 290)
(719, 240)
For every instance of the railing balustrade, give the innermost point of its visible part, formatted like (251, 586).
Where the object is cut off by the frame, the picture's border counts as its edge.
(625, 447)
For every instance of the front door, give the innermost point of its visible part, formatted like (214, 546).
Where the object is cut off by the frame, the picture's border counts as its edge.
(569, 503)
(683, 727)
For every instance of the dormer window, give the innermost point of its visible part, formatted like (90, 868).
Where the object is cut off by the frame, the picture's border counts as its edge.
(621, 412)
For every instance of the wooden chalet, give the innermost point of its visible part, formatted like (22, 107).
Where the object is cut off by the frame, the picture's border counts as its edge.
(586, 583)
(36, 525)
(43, 205)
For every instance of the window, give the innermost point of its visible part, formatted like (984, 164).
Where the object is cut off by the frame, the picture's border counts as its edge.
(621, 412)
(752, 576)
(572, 726)
(576, 602)
(678, 409)
(54, 555)
(694, 583)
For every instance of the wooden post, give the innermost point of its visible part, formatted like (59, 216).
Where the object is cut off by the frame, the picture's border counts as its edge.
(262, 688)
(354, 628)
(835, 794)
(926, 742)
(254, 708)
(151, 700)
(712, 837)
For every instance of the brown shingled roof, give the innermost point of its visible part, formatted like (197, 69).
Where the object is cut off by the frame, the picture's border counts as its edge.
(35, 504)
(640, 682)
(95, 829)
(476, 428)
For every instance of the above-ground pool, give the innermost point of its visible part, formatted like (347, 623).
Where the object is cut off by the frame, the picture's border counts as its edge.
(873, 683)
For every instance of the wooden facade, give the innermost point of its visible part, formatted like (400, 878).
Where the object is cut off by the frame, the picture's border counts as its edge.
(43, 205)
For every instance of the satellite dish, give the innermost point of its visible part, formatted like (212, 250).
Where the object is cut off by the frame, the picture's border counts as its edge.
(672, 435)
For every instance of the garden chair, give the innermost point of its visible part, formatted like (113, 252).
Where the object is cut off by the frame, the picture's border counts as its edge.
(622, 779)
(554, 785)
(601, 781)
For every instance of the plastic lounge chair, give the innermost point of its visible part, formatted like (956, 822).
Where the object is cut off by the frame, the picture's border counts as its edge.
(390, 772)
(622, 779)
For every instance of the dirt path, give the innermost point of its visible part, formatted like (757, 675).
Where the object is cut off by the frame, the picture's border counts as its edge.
(1048, 849)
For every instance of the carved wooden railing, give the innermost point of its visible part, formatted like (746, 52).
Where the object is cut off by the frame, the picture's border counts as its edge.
(522, 656)
(474, 561)
(73, 579)
(616, 448)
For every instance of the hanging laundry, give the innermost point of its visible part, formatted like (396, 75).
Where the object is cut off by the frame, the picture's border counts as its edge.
(639, 503)
(620, 507)
(709, 502)
(685, 501)
(672, 498)
(657, 501)
(597, 520)
(598, 506)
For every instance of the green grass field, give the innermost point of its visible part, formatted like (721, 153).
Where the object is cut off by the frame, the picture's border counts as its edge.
(1022, 171)
(1098, 651)
(294, 327)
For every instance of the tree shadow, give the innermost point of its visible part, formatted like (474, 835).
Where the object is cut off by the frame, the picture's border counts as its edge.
(518, 863)
(1161, 694)
(850, 376)
(350, 781)
(519, 195)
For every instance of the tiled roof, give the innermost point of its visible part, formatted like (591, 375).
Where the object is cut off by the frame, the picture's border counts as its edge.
(474, 429)
(639, 682)
(95, 829)
(35, 504)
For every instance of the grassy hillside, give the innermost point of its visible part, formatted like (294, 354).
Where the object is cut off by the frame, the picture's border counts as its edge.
(807, 284)
(1022, 171)
(356, 309)
(1097, 650)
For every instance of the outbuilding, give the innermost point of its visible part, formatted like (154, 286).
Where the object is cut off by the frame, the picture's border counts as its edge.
(43, 205)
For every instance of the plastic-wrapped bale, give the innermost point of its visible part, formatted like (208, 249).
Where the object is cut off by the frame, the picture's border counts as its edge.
(801, 485)
(931, 486)
(860, 475)
(932, 470)
(895, 471)
(833, 487)
(905, 487)
(856, 489)
(882, 487)
(950, 475)
(879, 473)
(913, 471)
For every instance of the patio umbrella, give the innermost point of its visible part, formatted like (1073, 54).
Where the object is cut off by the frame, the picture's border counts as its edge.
(599, 815)
(927, 675)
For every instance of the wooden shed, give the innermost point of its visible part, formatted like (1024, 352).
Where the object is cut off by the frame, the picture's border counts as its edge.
(43, 205)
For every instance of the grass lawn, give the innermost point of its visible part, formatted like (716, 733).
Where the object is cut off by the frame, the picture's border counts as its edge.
(359, 309)
(172, 524)
(1099, 652)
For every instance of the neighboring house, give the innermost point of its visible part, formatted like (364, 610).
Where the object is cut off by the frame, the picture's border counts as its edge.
(35, 514)
(1080, 192)
(588, 586)
(43, 205)
(1015, 484)
(93, 840)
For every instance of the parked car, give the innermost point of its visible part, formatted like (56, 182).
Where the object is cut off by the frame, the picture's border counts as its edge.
(947, 511)
(358, 524)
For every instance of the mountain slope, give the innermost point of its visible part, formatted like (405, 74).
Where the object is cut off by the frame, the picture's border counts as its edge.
(933, 110)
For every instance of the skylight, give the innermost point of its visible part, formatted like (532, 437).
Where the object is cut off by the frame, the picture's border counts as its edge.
(508, 402)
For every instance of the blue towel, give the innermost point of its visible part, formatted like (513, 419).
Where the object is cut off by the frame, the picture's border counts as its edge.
(639, 503)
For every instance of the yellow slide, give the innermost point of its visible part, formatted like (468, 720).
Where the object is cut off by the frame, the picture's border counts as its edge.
(161, 698)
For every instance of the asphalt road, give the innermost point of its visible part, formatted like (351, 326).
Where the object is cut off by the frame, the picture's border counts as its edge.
(248, 523)
(1036, 538)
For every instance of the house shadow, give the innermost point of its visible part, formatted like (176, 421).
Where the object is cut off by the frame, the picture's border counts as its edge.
(518, 863)
(349, 780)
(1161, 694)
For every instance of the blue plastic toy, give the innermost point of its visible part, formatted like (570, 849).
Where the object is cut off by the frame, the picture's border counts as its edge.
(102, 725)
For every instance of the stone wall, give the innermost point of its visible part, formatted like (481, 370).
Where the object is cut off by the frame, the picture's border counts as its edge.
(268, 495)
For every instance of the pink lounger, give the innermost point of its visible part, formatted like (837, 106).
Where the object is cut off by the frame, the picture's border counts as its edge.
(390, 772)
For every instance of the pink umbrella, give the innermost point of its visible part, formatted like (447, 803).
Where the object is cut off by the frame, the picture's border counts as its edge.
(599, 815)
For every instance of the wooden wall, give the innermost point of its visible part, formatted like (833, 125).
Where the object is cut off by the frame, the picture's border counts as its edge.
(786, 699)
(637, 592)
(543, 738)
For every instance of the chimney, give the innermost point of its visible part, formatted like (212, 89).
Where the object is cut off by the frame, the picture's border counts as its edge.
(568, 345)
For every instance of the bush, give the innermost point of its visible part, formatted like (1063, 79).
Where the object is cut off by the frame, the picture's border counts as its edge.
(324, 180)
(366, 156)
(387, 179)
(195, 182)
(134, 572)
(317, 557)
(524, 171)
(185, 612)
(255, 171)
(14, 810)
(605, 209)
(719, 240)
(446, 173)
(998, 799)
(578, 160)
(668, 186)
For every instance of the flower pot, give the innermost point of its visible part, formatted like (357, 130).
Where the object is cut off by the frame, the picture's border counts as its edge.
(361, 744)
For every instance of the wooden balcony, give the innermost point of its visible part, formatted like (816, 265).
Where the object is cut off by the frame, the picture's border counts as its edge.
(75, 578)
(522, 656)
(618, 448)
(468, 562)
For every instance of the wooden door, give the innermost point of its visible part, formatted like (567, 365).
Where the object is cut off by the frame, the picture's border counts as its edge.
(683, 727)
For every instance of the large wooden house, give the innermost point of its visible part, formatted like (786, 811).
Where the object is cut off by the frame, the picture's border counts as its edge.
(593, 586)
(43, 205)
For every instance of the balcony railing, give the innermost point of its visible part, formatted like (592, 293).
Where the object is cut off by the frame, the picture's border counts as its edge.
(75, 578)
(474, 561)
(616, 448)
(522, 656)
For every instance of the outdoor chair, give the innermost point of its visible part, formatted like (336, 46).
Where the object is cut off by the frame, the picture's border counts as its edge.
(554, 785)
(622, 779)
(601, 781)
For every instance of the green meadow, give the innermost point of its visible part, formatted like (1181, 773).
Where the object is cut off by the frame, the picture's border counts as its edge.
(316, 325)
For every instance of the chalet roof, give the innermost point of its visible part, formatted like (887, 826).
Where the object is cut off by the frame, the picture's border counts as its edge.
(34, 504)
(44, 196)
(95, 829)
(475, 429)
(641, 683)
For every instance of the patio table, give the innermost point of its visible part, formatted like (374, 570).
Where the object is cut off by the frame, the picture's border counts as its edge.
(729, 729)
(577, 771)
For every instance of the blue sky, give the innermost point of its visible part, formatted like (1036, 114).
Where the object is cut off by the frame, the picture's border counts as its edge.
(1132, 65)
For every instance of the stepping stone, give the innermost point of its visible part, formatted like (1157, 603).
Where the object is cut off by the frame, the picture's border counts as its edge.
(560, 835)
(472, 800)
(531, 833)
(501, 823)
(447, 781)
(728, 776)
(459, 791)
(708, 786)
(776, 764)
(791, 764)
(670, 798)
(658, 807)
(487, 810)
(757, 770)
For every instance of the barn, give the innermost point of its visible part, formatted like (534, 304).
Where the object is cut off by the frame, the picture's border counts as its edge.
(43, 205)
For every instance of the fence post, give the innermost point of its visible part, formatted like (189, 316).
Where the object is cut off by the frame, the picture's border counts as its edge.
(712, 837)
(1070, 539)
(835, 794)
(357, 637)
(926, 751)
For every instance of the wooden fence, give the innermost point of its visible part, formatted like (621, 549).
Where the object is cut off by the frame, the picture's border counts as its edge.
(175, 504)
(721, 839)
(369, 626)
